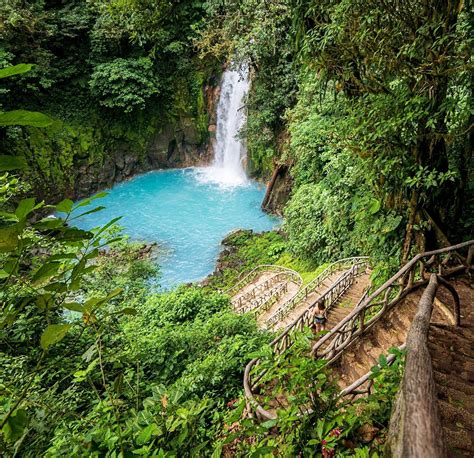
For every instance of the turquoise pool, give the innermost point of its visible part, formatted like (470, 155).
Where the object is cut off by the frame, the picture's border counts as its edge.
(187, 216)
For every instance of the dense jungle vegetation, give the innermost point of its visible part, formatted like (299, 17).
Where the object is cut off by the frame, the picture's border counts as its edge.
(369, 104)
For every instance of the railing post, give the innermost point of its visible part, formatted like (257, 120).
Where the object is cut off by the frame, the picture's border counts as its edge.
(361, 321)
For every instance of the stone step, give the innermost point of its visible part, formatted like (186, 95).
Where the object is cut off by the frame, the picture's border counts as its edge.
(460, 442)
(456, 415)
(464, 369)
(452, 381)
(451, 340)
(455, 396)
(390, 331)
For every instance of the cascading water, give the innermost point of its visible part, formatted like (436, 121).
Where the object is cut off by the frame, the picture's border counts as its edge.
(188, 211)
(227, 168)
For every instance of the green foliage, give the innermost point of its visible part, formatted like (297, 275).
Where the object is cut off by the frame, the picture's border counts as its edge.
(333, 427)
(125, 84)
(92, 360)
(24, 118)
(114, 73)
(246, 250)
(377, 133)
(334, 212)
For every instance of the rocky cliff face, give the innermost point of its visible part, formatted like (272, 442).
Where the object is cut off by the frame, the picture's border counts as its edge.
(178, 143)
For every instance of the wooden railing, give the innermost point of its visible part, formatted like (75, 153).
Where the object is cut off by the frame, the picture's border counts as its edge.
(254, 298)
(445, 262)
(288, 337)
(330, 297)
(303, 293)
(415, 426)
(408, 278)
(267, 298)
(241, 299)
(246, 278)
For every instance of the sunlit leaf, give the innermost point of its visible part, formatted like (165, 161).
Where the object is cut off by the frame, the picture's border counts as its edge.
(15, 70)
(25, 207)
(25, 118)
(9, 238)
(15, 426)
(46, 271)
(65, 206)
(53, 334)
(73, 307)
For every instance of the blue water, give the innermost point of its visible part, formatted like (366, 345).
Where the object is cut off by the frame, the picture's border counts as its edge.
(187, 218)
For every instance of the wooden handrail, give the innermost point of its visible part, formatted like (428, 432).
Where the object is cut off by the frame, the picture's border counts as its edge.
(415, 426)
(285, 340)
(304, 292)
(370, 310)
(353, 326)
(265, 297)
(247, 277)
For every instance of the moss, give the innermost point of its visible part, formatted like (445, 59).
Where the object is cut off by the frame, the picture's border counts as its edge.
(88, 136)
(246, 250)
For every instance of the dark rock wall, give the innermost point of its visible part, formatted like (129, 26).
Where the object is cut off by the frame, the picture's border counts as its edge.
(176, 144)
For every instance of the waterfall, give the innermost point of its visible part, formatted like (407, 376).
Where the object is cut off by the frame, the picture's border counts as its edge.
(227, 168)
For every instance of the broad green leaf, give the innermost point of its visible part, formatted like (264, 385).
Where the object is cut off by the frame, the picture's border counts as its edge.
(58, 287)
(269, 424)
(374, 206)
(25, 207)
(113, 293)
(8, 163)
(53, 334)
(265, 450)
(146, 434)
(46, 271)
(15, 426)
(73, 306)
(25, 118)
(128, 311)
(49, 223)
(74, 234)
(65, 206)
(3, 274)
(15, 70)
(8, 238)
(61, 256)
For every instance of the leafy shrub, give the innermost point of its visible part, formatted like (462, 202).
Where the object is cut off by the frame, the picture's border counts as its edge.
(124, 84)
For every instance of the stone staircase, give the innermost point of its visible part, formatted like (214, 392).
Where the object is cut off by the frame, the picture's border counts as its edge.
(390, 331)
(359, 335)
(452, 355)
(302, 306)
(348, 301)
